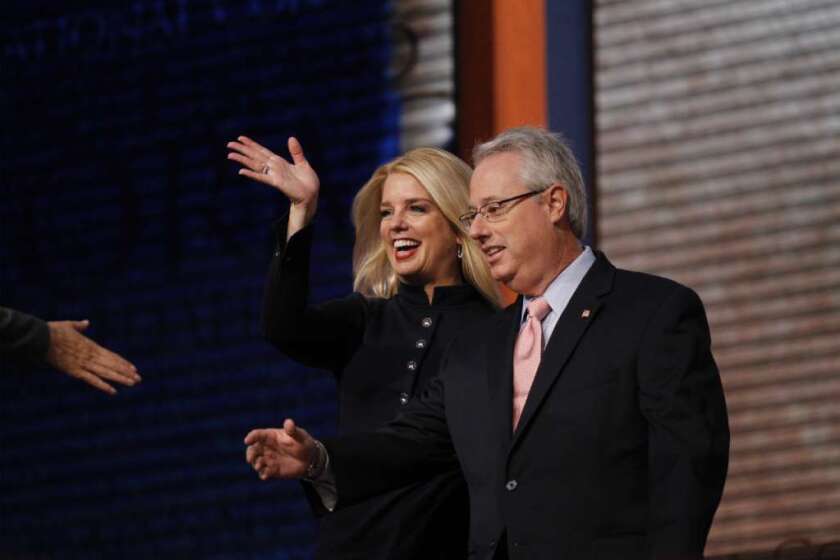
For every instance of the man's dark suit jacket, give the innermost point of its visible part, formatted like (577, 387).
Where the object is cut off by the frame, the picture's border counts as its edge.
(622, 448)
(23, 338)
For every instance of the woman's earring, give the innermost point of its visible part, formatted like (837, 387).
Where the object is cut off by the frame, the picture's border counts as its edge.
(460, 251)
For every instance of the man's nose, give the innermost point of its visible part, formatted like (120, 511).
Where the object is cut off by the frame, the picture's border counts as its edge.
(478, 228)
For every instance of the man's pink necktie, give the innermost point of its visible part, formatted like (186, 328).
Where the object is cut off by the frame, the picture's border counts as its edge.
(527, 353)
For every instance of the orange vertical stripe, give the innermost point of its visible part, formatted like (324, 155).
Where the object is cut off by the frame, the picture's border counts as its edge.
(520, 60)
(501, 71)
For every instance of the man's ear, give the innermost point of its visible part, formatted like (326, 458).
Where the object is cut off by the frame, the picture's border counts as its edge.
(558, 203)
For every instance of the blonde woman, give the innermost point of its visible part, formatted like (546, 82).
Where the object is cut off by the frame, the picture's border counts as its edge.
(418, 280)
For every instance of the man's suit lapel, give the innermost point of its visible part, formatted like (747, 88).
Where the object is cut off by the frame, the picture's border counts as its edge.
(573, 323)
(500, 367)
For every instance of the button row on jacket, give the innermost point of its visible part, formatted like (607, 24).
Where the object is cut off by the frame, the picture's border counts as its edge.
(412, 365)
(511, 485)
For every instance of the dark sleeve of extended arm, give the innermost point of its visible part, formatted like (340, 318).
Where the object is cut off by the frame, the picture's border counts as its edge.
(682, 399)
(322, 336)
(415, 446)
(23, 338)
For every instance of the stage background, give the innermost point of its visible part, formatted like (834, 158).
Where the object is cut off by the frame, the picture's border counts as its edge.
(707, 130)
(717, 142)
(119, 206)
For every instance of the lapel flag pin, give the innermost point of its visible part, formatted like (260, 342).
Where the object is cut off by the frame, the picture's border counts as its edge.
(586, 313)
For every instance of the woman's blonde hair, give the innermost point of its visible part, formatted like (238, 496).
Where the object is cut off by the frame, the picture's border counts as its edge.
(446, 178)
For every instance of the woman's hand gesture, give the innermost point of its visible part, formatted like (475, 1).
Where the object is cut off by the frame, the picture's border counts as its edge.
(297, 180)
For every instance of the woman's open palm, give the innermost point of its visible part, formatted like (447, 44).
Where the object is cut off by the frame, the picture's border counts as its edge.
(297, 180)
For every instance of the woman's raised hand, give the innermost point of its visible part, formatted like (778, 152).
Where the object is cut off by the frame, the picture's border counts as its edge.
(297, 180)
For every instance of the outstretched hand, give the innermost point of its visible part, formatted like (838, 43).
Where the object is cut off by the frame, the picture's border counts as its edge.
(283, 452)
(75, 354)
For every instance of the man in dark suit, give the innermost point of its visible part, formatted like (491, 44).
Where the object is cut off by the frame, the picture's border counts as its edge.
(613, 445)
(28, 340)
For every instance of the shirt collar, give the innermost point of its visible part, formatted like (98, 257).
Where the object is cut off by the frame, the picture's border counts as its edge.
(563, 287)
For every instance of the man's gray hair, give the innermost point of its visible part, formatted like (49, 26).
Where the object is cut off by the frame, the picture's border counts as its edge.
(547, 160)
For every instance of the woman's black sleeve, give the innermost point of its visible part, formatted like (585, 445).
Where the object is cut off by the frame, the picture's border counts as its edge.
(324, 335)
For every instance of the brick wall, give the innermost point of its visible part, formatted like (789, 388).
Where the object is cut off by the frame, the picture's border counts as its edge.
(718, 138)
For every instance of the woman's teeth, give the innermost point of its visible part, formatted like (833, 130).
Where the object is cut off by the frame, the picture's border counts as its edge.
(405, 244)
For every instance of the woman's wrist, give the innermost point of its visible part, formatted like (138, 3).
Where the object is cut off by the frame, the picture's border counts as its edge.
(300, 214)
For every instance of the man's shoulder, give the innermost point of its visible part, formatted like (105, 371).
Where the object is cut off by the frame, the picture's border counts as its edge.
(645, 280)
(647, 286)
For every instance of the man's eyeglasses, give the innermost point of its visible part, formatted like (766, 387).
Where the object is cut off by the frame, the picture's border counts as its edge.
(494, 211)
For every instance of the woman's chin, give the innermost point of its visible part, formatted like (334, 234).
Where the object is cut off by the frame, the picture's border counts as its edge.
(407, 269)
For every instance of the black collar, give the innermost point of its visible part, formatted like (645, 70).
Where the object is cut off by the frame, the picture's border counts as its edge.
(443, 295)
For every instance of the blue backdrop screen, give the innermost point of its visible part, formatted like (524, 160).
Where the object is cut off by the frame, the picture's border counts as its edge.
(119, 206)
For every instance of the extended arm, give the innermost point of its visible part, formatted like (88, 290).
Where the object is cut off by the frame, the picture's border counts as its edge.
(62, 345)
(413, 447)
(23, 338)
